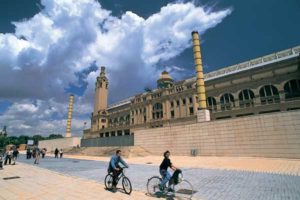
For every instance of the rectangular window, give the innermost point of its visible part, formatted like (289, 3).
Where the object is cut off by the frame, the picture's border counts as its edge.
(177, 102)
(172, 114)
(119, 133)
(107, 134)
(191, 110)
(172, 104)
(191, 100)
(183, 101)
(127, 132)
(101, 134)
(145, 119)
(113, 133)
(103, 120)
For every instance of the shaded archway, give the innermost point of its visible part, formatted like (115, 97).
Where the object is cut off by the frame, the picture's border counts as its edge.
(227, 101)
(269, 94)
(292, 89)
(246, 98)
(211, 103)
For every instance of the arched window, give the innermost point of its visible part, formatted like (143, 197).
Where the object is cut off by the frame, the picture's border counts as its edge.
(157, 112)
(269, 94)
(211, 103)
(246, 98)
(227, 101)
(292, 89)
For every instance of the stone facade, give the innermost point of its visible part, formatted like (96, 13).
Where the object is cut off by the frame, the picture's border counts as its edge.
(267, 135)
(61, 143)
(267, 84)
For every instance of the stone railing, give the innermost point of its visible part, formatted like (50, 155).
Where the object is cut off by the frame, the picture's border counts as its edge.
(257, 62)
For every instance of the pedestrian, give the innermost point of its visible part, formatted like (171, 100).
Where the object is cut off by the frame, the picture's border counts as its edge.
(34, 153)
(56, 153)
(61, 153)
(37, 156)
(15, 155)
(43, 152)
(1, 160)
(28, 153)
(8, 156)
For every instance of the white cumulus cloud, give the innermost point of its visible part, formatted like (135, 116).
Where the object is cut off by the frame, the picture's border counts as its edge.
(46, 53)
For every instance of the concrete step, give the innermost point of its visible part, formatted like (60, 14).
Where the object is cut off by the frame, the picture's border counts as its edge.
(128, 151)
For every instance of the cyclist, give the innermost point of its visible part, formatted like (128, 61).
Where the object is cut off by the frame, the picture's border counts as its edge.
(163, 170)
(115, 168)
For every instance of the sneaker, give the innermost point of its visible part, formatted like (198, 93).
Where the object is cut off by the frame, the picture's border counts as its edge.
(170, 190)
(161, 188)
(114, 188)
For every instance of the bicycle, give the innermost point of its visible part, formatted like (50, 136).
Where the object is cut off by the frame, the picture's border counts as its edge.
(108, 181)
(183, 189)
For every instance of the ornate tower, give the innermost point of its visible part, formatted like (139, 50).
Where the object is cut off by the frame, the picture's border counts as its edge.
(99, 118)
(203, 113)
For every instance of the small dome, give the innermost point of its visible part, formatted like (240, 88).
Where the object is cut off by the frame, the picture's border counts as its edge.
(165, 80)
(165, 75)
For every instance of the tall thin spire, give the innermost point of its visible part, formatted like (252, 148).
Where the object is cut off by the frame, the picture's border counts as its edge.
(199, 71)
(69, 121)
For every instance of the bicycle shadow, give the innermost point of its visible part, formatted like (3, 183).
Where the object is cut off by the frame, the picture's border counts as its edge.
(163, 195)
(170, 195)
(117, 190)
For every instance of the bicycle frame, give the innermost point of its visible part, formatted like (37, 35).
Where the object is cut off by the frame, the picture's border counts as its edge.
(121, 175)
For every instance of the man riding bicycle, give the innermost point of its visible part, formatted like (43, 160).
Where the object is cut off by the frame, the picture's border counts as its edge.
(115, 168)
(163, 170)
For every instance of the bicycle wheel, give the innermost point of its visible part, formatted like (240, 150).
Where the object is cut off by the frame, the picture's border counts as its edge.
(108, 181)
(183, 190)
(153, 185)
(126, 185)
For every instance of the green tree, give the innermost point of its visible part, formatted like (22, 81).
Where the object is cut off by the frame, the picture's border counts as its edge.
(54, 136)
(37, 138)
(23, 139)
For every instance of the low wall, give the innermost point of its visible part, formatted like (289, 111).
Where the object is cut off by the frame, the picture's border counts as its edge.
(61, 143)
(265, 135)
(125, 140)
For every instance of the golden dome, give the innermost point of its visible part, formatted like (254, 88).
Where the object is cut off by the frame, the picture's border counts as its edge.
(165, 80)
(165, 75)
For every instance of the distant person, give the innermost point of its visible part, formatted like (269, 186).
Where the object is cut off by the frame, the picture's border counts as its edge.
(43, 152)
(28, 153)
(15, 155)
(163, 170)
(37, 156)
(8, 156)
(1, 160)
(56, 153)
(61, 153)
(115, 168)
(33, 153)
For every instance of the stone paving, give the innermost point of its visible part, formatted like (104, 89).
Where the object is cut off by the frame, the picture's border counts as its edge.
(36, 183)
(211, 184)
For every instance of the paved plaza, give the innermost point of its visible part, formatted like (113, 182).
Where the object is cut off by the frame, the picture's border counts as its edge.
(36, 183)
(210, 184)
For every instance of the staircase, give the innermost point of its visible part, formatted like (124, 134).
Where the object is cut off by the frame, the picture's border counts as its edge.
(129, 151)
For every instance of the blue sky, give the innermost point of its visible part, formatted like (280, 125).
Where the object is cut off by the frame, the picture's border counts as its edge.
(51, 48)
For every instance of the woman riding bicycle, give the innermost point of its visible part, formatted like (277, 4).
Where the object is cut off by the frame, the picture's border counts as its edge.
(163, 170)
